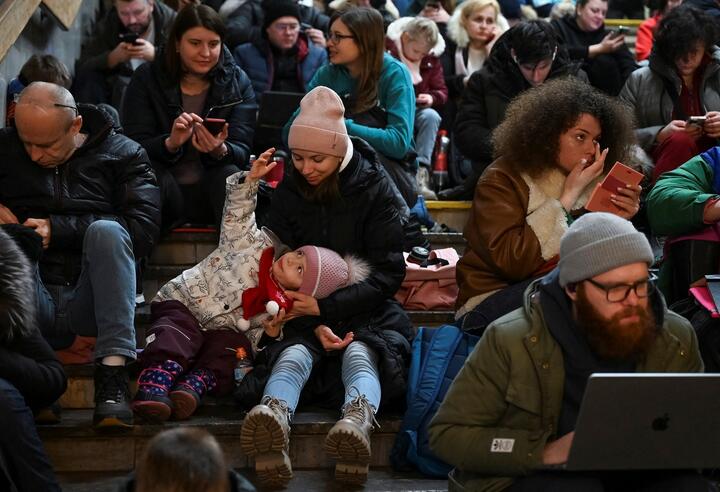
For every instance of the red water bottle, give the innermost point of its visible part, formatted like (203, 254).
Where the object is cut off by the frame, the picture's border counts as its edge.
(276, 174)
(440, 165)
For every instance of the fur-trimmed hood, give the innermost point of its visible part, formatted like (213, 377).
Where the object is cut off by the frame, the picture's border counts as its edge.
(457, 33)
(396, 28)
(17, 296)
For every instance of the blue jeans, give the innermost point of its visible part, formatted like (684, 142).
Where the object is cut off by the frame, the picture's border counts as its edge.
(22, 456)
(360, 374)
(427, 123)
(102, 302)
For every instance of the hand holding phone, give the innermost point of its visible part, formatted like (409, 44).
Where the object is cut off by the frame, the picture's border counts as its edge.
(620, 176)
(696, 120)
(214, 125)
(129, 37)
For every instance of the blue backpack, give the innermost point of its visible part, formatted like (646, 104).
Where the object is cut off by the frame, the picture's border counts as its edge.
(438, 354)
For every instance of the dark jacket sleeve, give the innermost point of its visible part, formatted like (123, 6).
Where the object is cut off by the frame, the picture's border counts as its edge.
(241, 125)
(625, 61)
(383, 246)
(137, 205)
(472, 129)
(436, 83)
(575, 49)
(96, 49)
(142, 124)
(32, 367)
(244, 24)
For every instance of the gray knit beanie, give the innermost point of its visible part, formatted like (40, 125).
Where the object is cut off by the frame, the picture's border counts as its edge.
(597, 243)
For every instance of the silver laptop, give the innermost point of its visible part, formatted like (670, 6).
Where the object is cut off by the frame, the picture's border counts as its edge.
(648, 421)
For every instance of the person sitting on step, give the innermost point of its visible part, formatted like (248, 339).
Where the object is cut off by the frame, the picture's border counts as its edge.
(204, 317)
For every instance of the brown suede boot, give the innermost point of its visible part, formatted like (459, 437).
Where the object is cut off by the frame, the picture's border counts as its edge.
(348, 442)
(265, 436)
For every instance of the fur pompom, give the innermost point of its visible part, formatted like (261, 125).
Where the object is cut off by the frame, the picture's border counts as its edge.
(358, 269)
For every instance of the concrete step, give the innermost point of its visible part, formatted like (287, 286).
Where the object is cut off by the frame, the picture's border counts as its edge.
(75, 446)
(384, 479)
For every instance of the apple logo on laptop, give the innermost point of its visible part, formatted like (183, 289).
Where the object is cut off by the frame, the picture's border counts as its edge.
(661, 423)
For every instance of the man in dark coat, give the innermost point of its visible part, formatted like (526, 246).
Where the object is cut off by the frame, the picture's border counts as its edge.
(91, 196)
(107, 61)
(525, 56)
(31, 377)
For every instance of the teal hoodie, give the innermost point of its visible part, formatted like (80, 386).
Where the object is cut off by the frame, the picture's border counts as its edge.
(395, 95)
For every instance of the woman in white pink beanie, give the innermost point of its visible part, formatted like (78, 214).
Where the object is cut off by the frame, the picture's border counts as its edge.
(336, 196)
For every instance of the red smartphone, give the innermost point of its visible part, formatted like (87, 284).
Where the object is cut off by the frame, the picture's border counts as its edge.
(619, 177)
(214, 125)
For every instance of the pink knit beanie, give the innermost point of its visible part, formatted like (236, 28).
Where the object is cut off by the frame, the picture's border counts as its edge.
(326, 271)
(320, 125)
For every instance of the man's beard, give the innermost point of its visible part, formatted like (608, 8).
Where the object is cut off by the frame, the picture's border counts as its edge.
(611, 339)
(138, 28)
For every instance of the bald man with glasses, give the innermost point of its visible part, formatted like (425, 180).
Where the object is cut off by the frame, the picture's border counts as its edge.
(91, 196)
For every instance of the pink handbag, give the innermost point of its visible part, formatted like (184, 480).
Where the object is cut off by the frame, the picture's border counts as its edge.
(431, 287)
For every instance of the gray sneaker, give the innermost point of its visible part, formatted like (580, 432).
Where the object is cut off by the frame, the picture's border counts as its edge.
(348, 442)
(265, 436)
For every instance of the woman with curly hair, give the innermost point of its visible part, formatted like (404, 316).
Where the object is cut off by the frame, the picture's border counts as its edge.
(681, 81)
(555, 144)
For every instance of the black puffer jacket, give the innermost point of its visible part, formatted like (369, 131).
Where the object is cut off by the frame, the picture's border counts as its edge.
(365, 223)
(153, 101)
(106, 37)
(488, 93)
(109, 177)
(26, 359)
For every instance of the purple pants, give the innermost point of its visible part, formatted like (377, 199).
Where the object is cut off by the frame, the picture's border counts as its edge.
(176, 335)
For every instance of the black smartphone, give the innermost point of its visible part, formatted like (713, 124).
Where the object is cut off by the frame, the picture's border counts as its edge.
(696, 120)
(304, 26)
(214, 125)
(129, 37)
(620, 31)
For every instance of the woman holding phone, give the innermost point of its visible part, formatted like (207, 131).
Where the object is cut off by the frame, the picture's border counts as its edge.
(676, 98)
(526, 199)
(605, 57)
(193, 110)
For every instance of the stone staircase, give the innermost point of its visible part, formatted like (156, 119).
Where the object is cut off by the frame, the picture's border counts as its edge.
(77, 450)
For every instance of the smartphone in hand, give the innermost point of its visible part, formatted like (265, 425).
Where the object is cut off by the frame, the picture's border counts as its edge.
(619, 177)
(696, 120)
(620, 31)
(214, 125)
(129, 37)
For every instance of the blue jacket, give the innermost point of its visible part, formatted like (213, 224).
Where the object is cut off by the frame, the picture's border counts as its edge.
(256, 59)
(395, 95)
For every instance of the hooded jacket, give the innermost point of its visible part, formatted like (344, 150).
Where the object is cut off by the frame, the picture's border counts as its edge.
(363, 222)
(489, 92)
(108, 177)
(238, 483)
(257, 60)
(107, 36)
(645, 93)
(153, 101)
(26, 359)
(501, 393)
(431, 71)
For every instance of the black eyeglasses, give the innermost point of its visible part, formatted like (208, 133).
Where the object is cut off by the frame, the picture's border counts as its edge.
(618, 293)
(336, 37)
(16, 99)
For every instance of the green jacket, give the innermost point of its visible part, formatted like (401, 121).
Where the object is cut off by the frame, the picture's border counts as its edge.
(511, 387)
(676, 203)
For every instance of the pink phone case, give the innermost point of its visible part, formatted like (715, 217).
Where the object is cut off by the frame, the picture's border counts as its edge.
(619, 176)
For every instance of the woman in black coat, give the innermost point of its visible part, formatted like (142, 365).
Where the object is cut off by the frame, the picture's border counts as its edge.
(165, 107)
(335, 195)
(31, 376)
(605, 57)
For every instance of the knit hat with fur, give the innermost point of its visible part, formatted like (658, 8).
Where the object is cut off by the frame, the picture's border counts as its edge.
(326, 271)
(320, 125)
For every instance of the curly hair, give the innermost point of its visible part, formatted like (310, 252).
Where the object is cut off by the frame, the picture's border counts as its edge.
(529, 136)
(681, 30)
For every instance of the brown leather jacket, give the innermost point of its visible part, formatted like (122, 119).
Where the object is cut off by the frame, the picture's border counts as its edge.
(513, 232)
